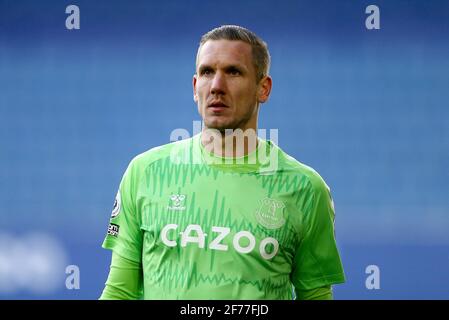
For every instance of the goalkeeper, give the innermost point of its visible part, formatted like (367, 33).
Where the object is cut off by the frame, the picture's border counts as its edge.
(224, 214)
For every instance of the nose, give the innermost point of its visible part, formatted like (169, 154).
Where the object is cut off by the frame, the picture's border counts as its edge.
(218, 85)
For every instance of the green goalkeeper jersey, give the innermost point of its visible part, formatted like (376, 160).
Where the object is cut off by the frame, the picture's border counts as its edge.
(207, 227)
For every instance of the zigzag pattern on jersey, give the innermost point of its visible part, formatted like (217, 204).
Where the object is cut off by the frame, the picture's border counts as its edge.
(217, 215)
(168, 172)
(283, 181)
(175, 276)
(164, 173)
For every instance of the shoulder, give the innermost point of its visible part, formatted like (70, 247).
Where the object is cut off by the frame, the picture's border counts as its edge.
(313, 180)
(167, 151)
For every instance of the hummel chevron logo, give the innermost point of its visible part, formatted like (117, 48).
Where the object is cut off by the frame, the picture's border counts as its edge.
(177, 202)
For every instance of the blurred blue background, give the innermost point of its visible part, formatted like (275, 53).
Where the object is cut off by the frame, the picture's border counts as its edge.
(368, 109)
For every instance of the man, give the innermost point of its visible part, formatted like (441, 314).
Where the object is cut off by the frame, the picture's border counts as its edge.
(217, 216)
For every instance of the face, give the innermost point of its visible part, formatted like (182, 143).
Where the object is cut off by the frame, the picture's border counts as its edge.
(225, 85)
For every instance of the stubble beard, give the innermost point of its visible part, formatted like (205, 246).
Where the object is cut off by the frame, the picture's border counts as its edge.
(233, 124)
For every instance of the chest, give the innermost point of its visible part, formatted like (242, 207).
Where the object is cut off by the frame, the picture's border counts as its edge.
(235, 214)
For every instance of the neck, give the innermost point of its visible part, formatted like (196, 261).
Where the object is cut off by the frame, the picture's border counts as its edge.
(233, 143)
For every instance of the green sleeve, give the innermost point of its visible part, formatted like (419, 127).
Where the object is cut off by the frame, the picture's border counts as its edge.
(317, 261)
(323, 293)
(125, 280)
(124, 234)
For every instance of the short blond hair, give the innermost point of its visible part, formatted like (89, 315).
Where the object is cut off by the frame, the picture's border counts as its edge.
(261, 55)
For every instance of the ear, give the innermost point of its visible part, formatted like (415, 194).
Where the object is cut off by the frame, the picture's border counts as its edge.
(195, 96)
(264, 89)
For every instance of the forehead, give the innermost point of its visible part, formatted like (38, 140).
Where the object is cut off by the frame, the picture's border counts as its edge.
(214, 52)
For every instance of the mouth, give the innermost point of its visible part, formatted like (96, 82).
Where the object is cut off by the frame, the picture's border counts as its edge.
(217, 106)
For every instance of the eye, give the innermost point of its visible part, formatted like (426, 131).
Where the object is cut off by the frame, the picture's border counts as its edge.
(206, 71)
(234, 71)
